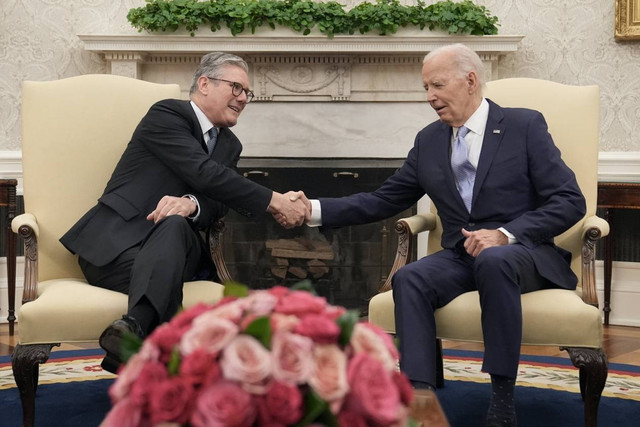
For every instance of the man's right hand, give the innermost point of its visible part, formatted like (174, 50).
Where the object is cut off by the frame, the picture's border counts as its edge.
(291, 209)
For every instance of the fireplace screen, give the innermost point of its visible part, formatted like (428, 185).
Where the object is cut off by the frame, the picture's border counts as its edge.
(346, 265)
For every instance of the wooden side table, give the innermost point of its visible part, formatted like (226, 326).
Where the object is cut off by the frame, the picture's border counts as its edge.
(612, 196)
(8, 199)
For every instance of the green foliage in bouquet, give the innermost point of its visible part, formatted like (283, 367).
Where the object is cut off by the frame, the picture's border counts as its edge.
(330, 17)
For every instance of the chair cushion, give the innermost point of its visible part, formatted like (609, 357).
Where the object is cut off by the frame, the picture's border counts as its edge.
(555, 317)
(55, 316)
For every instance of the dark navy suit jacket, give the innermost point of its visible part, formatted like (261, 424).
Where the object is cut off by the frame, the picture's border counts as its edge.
(521, 184)
(167, 155)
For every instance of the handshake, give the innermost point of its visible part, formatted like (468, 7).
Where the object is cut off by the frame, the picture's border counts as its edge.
(291, 209)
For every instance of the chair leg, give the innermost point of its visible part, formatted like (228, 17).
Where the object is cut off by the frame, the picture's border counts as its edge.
(439, 365)
(593, 366)
(25, 362)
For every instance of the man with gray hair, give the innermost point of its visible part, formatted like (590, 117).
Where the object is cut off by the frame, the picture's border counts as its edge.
(176, 176)
(502, 192)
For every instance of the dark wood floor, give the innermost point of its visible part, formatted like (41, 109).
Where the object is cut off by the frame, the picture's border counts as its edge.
(621, 343)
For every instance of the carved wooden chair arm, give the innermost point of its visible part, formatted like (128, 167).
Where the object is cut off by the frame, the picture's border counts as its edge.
(215, 239)
(26, 226)
(594, 228)
(407, 229)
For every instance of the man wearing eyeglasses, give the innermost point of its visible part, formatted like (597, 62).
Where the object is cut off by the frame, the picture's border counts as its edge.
(177, 175)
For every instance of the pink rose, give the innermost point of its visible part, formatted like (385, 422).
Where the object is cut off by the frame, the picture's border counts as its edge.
(366, 340)
(246, 360)
(165, 337)
(125, 413)
(232, 310)
(261, 303)
(373, 392)
(329, 376)
(404, 387)
(351, 419)
(319, 328)
(223, 404)
(292, 357)
(152, 374)
(200, 367)
(279, 291)
(208, 332)
(300, 303)
(283, 322)
(184, 318)
(130, 372)
(171, 401)
(281, 405)
(333, 311)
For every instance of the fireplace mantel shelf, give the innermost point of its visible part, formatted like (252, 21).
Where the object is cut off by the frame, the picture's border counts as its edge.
(404, 42)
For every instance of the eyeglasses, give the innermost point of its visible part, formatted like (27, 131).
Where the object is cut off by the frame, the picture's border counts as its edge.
(237, 89)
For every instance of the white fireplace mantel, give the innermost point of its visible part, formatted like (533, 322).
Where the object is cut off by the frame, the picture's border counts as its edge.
(286, 66)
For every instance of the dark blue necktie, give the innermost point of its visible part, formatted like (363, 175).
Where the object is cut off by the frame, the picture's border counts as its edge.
(463, 170)
(213, 136)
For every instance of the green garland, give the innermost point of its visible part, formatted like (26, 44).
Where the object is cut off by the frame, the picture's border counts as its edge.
(384, 16)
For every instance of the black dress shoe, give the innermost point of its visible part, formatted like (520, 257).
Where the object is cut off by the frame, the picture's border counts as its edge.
(111, 341)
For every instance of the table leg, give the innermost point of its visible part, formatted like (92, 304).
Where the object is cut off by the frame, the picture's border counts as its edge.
(608, 262)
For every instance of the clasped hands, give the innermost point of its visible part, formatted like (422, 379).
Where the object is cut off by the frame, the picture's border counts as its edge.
(291, 209)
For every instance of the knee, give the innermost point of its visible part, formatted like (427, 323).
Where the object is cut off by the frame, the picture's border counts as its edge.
(492, 263)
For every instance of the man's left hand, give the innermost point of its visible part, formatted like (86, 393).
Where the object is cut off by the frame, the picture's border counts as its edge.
(171, 205)
(479, 240)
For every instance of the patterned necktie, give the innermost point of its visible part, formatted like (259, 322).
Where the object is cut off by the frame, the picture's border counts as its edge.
(213, 136)
(463, 170)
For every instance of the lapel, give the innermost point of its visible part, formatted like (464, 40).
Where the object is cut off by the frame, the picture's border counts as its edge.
(493, 135)
(442, 154)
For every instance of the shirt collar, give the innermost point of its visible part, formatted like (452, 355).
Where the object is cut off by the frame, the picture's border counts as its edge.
(205, 123)
(478, 120)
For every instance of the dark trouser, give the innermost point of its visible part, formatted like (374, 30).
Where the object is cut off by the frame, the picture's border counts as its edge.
(155, 269)
(500, 274)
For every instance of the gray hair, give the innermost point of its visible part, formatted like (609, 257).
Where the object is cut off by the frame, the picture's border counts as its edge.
(465, 59)
(213, 64)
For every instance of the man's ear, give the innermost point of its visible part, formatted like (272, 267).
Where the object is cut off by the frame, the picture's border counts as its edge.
(204, 84)
(472, 82)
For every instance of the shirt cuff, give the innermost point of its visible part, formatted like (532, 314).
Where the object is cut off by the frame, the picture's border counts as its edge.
(511, 237)
(316, 214)
(194, 199)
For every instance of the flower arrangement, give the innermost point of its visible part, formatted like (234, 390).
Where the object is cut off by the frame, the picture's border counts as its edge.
(275, 357)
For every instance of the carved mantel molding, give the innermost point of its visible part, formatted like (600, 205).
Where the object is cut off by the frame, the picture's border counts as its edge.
(289, 67)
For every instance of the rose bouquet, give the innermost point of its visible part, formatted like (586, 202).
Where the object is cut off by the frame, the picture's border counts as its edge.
(273, 357)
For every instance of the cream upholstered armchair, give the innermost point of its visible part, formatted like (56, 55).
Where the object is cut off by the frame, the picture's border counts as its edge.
(555, 317)
(73, 133)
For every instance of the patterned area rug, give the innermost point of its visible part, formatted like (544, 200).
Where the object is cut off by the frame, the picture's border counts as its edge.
(73, 392)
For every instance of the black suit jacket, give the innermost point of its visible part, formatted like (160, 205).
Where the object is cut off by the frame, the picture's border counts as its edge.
(521, 184)
(167, 155)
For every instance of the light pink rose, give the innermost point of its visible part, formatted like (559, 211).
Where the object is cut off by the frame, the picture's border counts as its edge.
(300, 303)
(329, 376)
(171, 401)
(246, 360)
(283, 322)
(233, 311)
(223, 404)
(319, 328)
(125, 413)
(281, 405)
(130, 372)
(365, 340)
(292, 357)
(208, 332)
(373, 391)
(261, 303)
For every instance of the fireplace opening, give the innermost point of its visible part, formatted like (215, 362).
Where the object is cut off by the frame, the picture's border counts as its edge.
(346, 265)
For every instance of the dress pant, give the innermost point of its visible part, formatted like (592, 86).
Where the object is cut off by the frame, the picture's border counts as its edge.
(171, 253)
(499, 274)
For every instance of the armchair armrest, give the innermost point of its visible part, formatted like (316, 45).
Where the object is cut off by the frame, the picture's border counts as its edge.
(593, 229)
(407, 229)
(26, 226)
(215, 238)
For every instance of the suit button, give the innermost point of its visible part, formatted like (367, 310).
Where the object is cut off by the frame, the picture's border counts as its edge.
(471, 224)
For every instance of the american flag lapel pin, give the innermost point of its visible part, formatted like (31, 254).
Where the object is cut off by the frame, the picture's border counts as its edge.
(496, 131)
